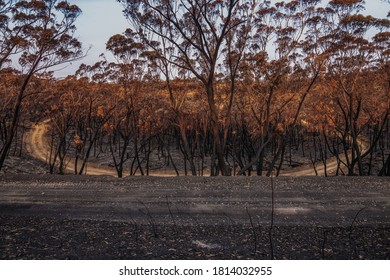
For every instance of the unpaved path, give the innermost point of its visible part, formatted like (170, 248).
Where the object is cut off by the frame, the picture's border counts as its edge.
(308, 170)
(38, 147)
(331, 165)
(318, 201)
(101, 217)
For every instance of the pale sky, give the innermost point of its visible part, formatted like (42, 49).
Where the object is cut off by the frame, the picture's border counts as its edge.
(99, 21)
(103, 18)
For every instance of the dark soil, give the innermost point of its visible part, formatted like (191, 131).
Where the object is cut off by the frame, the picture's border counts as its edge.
(50, 238)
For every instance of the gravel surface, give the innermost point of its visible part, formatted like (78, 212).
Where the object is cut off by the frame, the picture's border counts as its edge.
(100, 217)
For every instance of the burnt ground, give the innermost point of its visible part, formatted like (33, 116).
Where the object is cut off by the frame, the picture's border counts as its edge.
(101, 217)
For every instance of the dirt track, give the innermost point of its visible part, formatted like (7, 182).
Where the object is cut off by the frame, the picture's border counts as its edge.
(38, 147)
(101, 217)
(306, 200)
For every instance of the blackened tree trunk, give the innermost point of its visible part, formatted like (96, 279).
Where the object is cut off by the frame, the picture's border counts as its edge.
(385, 171)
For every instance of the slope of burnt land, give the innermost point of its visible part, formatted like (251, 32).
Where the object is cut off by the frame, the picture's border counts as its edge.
(100, 217)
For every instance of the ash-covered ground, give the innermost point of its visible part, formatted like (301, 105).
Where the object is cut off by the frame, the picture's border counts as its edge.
(101, 217)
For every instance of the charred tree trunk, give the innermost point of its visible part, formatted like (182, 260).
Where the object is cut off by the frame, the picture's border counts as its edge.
(15, 117)
(385, 171)
(215, 129)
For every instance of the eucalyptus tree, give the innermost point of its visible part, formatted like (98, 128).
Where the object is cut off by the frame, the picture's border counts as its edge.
(382, 64)
(11, 41)
(159, 53)
(130, 72)
(47, 28)
(275, 65)
(199, 33)
(353, 57)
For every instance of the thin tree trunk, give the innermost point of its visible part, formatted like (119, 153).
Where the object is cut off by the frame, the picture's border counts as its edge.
(15, 117)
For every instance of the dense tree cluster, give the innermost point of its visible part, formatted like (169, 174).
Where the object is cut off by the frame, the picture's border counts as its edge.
(35, 35)
(236, 87)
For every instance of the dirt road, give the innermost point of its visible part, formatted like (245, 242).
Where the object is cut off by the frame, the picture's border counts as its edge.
(331, 165)
(301, 200)
(38, 147)
(308, 170)
(101, 217)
